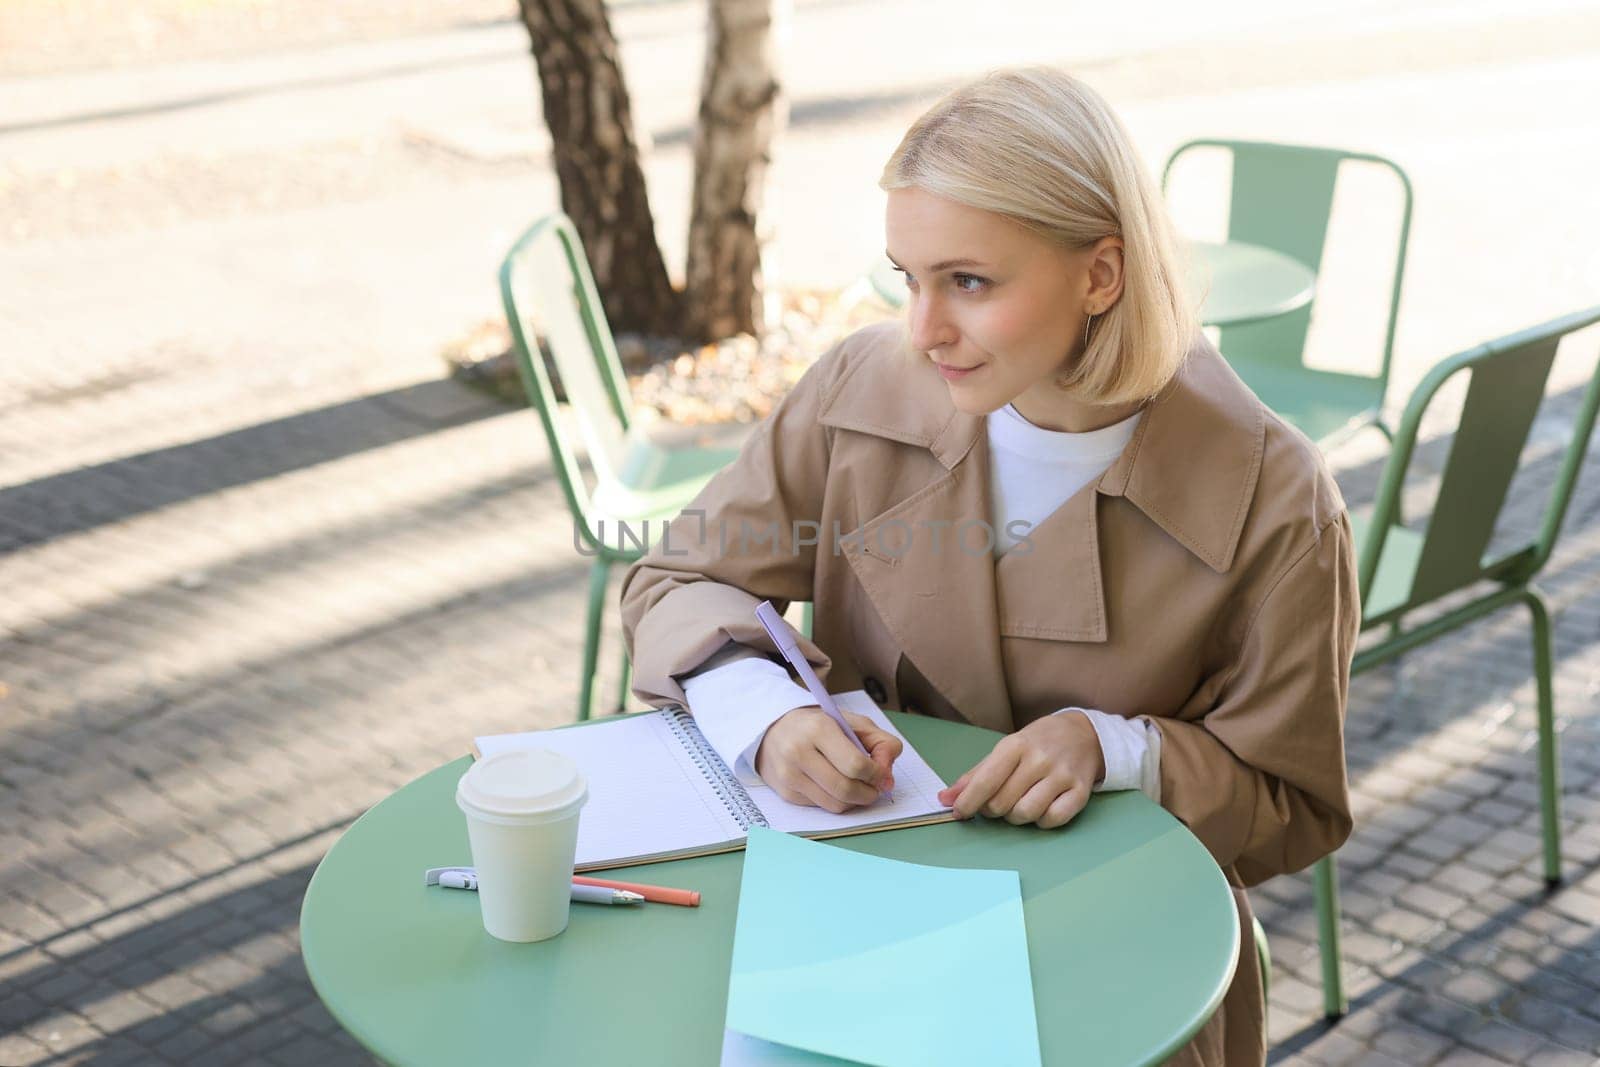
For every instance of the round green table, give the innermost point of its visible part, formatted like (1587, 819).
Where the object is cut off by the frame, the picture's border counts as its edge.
(1132, 935)
(1240, 282)
(1243, 282)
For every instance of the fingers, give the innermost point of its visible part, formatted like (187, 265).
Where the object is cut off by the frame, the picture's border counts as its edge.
(883, 747)
(1064, 808)
(846, 790)
(1031, 805)
(873, 736)
(808, 760)
(948, 795)
(986, 779)
(1024, 780)
(815, 782)
(784, 747)
(1007, 785)
(795, 784)
(834, 792)
(842, 752)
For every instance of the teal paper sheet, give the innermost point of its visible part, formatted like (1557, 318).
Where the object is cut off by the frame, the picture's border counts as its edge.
(879, 961)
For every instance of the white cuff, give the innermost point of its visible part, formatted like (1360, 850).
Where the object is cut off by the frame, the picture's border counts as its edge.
(734, 697)
(1131, 749)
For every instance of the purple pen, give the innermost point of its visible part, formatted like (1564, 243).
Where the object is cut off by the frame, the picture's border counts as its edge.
(784, 637)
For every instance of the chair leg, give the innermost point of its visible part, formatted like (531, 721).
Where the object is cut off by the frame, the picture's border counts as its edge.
(1264, 961)
(599, 573)
(627, 677)
(1549, 757)
(1327, 890)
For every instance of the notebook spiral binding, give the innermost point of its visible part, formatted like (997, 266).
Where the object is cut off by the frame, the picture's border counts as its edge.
(729, 791)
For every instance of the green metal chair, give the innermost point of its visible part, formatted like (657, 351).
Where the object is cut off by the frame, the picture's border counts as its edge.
(551, 306)
(1264, 959)
(1282, 198)
(1403, 569)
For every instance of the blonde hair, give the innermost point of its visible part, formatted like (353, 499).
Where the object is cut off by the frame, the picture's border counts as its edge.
(1042, 148)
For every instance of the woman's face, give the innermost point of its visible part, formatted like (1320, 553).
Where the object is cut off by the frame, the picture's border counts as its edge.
(999, 309)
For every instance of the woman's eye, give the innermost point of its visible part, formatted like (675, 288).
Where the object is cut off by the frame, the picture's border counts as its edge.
(970, 283)
(911, 283)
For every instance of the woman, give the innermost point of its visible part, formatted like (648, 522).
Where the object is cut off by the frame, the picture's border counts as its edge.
(1046, 506)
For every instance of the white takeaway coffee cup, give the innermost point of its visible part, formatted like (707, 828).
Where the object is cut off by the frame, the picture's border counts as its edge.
(522, 823)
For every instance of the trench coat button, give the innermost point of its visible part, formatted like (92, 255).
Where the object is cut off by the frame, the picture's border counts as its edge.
(875, 690)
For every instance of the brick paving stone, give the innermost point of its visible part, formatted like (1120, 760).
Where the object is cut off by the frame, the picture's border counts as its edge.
(119, 1011)
(1554, 1057)
(1461, 1057)
(1406, 925)
(1412, 866)
(318, 1050)
(1411, 1044)
(117, 1052)
(1467, 919)
(1580, 906)
(1562, 990)
(1475, 989)
(1438, 848)
(1436, 1013)
(1364, 907)
(15, 1048)
(1554, 1021)
(63, 985)
(1336, 1048)
(1363, 947)
(63, 1034)
(186, 1046)
(152, 1031)
(19, 1008)
(1516, 970)
(1296, 996)
(1496, 1037)
(316, 1019)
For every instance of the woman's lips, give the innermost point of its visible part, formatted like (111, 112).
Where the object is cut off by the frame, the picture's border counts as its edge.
(952, 374)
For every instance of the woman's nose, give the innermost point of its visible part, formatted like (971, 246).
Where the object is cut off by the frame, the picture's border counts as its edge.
(930, 328)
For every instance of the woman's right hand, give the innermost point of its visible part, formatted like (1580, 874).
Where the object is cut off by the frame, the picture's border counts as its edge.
(808, 760)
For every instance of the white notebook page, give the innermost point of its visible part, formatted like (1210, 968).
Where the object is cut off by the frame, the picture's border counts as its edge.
(634, 809)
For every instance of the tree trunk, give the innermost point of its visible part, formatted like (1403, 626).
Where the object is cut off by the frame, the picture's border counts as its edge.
(742, 111)
(597, 162)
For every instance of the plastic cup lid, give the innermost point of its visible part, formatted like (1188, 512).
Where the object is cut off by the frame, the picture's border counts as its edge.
(527, 782)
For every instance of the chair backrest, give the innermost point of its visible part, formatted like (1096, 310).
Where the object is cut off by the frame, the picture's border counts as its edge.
(1282, 198)
(1507, 381)
(555, 316)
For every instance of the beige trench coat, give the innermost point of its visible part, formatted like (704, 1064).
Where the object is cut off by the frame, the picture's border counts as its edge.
(1205, 580)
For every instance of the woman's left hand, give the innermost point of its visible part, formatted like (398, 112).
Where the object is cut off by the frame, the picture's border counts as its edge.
(1041, 774)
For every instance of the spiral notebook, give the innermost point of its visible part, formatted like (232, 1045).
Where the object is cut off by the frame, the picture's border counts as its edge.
(658, 790)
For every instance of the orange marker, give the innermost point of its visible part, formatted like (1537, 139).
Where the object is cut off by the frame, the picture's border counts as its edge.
(688, 898)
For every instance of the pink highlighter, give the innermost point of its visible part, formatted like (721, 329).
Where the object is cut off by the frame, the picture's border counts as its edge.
(785, 638)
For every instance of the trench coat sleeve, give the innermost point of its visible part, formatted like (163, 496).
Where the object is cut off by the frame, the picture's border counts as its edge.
(1260, 779)
(741, 541)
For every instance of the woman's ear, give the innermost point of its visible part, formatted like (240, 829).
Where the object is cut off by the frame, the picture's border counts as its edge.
(1105, 275)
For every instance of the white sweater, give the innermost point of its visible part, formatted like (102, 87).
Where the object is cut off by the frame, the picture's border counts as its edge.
(735, 696)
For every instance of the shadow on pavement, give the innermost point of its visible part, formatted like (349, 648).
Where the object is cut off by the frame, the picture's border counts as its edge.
(47, 508)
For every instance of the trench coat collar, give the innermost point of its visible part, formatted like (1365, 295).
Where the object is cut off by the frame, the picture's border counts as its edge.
(1191, 466)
